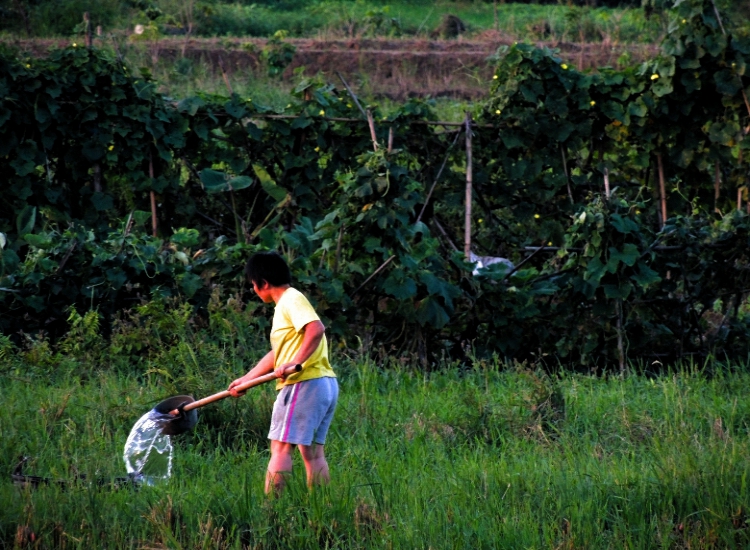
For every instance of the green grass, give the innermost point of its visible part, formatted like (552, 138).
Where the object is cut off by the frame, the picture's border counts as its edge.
(345, 18)
(186, 78)
(336, 19)
(490, 456)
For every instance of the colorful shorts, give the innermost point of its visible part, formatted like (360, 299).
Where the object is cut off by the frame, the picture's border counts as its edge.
(303, 411)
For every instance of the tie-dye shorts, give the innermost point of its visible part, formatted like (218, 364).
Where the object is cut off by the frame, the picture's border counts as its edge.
(303, 411)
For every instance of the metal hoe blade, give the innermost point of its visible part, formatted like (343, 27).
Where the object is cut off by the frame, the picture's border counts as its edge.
(183, 422)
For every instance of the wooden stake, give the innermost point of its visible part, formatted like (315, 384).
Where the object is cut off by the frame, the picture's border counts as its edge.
(87, 29)
(739, 189)
(620, 346)
(351, 94)
(338, 250)
(97, 178)
(226, 77)
(718, 18)
(390, 139)
(469, 180)
(445, 234)
(567, 177)
(371, 123)
(739, 198)
(717, 186)
(367, 114)
(154, 222)
(606, 183)
(662, 190)
(378, 270)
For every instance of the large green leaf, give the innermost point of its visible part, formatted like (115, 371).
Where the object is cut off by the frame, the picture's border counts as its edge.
(25, 220)
(399, 285)
(430, 312)
(190, 283)
(218, 182)
(628, 255)
(645, 276)
(269, 185)
(190, 105)
(724, 132)
(623, 225)
(621, 291)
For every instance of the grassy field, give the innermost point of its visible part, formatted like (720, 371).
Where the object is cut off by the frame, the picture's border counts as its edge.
(337, 18)
(332, 20)
(484, 456)
(351, 19)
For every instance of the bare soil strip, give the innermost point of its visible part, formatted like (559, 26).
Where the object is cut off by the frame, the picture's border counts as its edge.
(392, 68)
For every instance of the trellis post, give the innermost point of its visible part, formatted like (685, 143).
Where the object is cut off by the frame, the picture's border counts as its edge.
(469, 181)
(662, 190)
(154, 222)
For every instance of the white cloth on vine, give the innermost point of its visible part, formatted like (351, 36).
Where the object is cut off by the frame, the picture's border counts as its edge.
(483, 262)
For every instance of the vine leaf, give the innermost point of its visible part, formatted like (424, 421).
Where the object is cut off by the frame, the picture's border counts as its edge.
(26, 220)
(269, 185)
(217, 182)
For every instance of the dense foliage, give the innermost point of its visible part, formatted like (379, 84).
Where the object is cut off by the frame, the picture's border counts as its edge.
(88, 149)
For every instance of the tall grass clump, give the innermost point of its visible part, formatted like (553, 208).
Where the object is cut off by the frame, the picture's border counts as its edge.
(257, 20)
(484, 455)
(527, 22)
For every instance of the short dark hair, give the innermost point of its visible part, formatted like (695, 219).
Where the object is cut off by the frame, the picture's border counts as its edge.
(269, 267)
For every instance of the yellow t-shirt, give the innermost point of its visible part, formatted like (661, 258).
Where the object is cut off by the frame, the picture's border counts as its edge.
(293, 311)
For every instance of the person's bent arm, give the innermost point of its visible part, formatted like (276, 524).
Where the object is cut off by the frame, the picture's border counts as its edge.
(313, 333)
(264, 366)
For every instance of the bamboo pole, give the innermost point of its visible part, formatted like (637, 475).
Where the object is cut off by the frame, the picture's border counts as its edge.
(154, 221)
(469, 183)
(662, 190)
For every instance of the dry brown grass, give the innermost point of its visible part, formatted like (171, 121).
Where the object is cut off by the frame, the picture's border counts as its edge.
(392, 68)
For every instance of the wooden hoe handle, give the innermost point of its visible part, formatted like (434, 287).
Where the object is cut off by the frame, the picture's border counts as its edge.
(242, 387)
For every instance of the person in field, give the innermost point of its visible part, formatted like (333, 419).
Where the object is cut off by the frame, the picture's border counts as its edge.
(307, 399)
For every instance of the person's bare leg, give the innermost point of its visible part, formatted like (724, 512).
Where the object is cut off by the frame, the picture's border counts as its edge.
(279, 466)
(316, 465)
